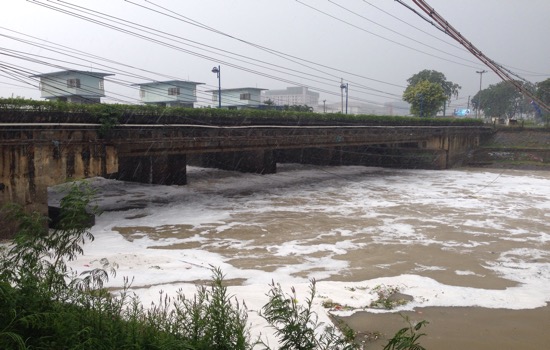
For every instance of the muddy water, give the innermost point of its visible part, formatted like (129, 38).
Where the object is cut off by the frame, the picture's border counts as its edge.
(486, 230)
(460, 328)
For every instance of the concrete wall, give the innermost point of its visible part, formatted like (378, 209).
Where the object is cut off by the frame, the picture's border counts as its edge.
(158, 169)
(27, 169)
(33, 158)
(259, 162)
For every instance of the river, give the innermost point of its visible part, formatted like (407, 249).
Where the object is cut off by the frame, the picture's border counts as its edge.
(466, 239)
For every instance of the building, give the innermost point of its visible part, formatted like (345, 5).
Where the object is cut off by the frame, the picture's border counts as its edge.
(72, 86)
(173, 93)
(292, 96)
(238, 98)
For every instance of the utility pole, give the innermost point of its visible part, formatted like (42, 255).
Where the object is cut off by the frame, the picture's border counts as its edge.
(480, 72)
(345, 87)
(341, 95)
(218, 71)
(324, 106)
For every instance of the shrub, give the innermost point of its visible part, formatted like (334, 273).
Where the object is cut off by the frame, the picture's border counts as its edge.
(297, 326)
(407, 338)
(44, 305)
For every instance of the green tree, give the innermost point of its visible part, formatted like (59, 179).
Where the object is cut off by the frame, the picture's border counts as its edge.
(426, 98)
(499, 100)
(298, 108)
(450, 89)
(543, 90)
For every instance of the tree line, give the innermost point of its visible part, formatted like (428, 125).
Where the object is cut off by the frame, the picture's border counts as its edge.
(429, 92)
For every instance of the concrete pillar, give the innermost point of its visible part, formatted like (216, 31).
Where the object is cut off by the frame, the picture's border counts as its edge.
(316, 156)
(160, 170)
(260, 162)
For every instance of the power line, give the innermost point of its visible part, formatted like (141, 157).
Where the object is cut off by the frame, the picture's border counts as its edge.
(381, 37)
(495, 67)
(110, 26)
(398, 33)
(287, 56)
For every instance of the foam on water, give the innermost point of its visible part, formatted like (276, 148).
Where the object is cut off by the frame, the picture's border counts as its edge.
(502, 208)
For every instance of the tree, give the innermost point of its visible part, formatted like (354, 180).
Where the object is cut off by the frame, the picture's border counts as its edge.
(298, 108)
(450, 89)
(426, 98)
(499, 100)
(543, 92)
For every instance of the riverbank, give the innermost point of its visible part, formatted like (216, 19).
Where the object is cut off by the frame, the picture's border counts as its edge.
(514, 148)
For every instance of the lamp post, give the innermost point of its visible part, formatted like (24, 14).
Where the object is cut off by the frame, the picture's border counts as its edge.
(345, 86)
(420, 97)
(218, 70)
(480, 72)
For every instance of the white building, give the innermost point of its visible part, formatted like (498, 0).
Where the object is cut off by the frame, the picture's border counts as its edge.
(173, 93)
(238, 98)
(72, 86)
(291, 96)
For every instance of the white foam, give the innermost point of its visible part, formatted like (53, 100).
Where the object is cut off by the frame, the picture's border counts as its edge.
(209, 205)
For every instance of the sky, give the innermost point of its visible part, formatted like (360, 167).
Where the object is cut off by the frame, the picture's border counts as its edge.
(373, 45)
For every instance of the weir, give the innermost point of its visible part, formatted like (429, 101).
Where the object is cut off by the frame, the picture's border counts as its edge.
(35, 156)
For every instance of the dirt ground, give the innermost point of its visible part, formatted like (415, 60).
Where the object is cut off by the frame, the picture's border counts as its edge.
(451, 328)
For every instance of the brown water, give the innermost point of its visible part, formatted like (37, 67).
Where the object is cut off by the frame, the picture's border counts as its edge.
(460, 328)
(487, 230)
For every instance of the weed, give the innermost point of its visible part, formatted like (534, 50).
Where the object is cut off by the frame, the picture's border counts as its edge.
(407, 337)
(45, 305)
(297, 326)
(329, 304)
(386, 298)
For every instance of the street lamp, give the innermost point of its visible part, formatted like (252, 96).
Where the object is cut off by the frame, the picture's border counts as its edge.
(420, 97)
(218, 70)
(480, 72)
(345, 86)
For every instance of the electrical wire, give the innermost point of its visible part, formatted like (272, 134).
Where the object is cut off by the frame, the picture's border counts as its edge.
(157, 41)
(382, 37)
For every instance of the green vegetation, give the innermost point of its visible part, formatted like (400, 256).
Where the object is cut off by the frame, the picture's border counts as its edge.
(46, 305)
(110, 115)
(501, 100)
(297, 326)
(426, 98)
(386, 298)
(407, 338)
(428, 92)
(543, 90)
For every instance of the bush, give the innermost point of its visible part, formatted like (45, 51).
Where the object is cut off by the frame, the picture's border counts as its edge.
(44, 305)
(297, 326)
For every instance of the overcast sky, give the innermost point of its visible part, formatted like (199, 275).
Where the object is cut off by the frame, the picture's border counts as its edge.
(373, 45)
